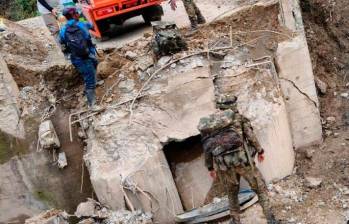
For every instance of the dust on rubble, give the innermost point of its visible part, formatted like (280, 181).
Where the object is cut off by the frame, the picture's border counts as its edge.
(130, 72)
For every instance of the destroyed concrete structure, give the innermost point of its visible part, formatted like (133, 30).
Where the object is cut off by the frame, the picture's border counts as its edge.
(125, 143)
(29, 181)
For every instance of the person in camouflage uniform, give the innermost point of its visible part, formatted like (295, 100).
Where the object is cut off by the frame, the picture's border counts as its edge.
(193, 12)
(230, 144)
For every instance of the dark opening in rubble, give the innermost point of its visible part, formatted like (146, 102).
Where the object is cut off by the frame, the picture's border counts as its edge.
(183, 152)
(186, 162)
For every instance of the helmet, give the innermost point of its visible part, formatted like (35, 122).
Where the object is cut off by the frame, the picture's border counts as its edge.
(69, 11)
(226, 102)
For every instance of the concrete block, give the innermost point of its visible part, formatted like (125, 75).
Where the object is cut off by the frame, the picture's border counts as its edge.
(10, 122)
(120, 152)
(298, 87)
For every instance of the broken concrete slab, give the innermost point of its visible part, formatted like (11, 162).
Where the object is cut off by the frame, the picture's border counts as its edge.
(10, 117)
(193, 182)
(62, 160)
(15, 193)
(120, 151)
(47, 136)
(298, 86)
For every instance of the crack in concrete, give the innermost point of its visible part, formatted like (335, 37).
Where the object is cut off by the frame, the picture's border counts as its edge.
(299, 90)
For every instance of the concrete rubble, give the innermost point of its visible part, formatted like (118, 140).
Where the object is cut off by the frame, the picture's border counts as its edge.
(47, 136)
(95, 213)
(125, 144)
(52, 216)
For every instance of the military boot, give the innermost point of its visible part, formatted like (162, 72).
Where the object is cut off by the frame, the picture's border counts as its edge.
(193, 29)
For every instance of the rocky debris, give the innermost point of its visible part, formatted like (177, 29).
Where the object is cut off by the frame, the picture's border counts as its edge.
(111, 65)
(127, 217)
(131, 55)
(127, 86)
(18, 43)
(47, 136)
(331, 119)
(163, 61)
(93, 212)
(91, 208)
(167, 39)
(144, 62)
(321, 85)
(313, 182)
(52, 216)
(25, 55)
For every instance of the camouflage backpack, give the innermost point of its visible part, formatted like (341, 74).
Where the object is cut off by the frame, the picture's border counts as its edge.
(216, 121)
(167, 39)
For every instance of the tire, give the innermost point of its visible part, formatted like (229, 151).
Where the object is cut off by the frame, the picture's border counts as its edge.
(153, 13)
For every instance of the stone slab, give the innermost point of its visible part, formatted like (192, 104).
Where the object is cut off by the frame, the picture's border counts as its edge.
(298, 87)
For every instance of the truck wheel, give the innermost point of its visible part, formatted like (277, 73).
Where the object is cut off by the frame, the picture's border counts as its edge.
(153, 13)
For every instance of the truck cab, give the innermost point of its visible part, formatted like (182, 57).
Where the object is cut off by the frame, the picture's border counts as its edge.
(106, 14)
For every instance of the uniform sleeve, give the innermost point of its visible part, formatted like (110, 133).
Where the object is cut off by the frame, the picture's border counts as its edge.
(208, 156)
(250, 135)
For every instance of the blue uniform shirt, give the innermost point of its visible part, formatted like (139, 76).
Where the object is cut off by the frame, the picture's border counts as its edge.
(84, 26)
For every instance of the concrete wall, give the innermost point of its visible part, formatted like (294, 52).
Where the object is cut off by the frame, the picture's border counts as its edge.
(298, 86)
(297, 79)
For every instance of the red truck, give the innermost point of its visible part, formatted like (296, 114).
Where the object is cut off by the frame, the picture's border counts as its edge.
(104, 14)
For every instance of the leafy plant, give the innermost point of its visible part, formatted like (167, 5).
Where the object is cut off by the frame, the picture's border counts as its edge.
(18, 9)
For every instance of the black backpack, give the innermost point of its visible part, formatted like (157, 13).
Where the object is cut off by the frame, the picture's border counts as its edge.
(77, 45)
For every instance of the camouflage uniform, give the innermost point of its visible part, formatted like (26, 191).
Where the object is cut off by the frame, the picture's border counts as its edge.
(223, 136)
(194, 13)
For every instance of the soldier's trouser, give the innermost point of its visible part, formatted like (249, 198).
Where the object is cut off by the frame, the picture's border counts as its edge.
(193, 12)
(230, 180)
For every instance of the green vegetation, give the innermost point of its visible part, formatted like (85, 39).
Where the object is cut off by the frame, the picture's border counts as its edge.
(18, 9)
